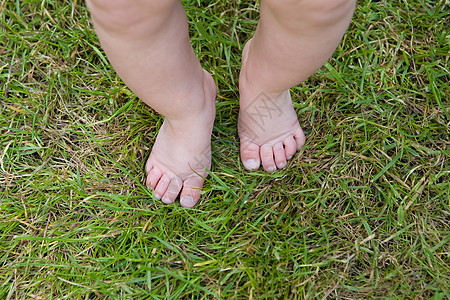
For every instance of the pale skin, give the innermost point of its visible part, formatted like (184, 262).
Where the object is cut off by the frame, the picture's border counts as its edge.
(147, 42)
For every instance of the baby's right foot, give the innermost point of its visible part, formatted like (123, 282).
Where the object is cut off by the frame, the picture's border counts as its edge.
(182, 152)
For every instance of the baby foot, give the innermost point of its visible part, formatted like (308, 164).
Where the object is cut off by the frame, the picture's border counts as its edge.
(182, 152)
(268, 127)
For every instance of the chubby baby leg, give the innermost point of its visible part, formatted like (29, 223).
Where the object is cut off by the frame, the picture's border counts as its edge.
(148, 44)
(294, 38)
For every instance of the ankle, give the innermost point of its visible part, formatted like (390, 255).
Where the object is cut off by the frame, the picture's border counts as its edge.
(202, 106)
(251, 90)
(251, 84)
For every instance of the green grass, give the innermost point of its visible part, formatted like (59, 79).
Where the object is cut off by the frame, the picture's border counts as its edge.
(361, 212)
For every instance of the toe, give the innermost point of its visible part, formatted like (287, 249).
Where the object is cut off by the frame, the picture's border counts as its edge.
(280, 155)
(299, 138)
(162, 186)
(148, 166)
(173, 190)
(268, 162)
(250, 156)
(191, 191)
(153, 177)
(290, 147)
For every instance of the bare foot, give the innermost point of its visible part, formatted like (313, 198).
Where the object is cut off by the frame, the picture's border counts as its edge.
(269, 130)
(182, 152)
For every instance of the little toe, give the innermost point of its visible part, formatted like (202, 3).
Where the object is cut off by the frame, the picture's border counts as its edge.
(162, 186)
(250, 156)
(280, 155)
(191, 191)
(173, 190)
(290, 147)
(153, 177)
(299, 138)
(148, 166)
(268, 162)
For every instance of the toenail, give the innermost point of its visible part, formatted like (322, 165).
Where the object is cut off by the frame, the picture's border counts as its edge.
(187, 202)
(271, 169)
(166, 200)
(251, 164)
(158, 197)
(282, 165)
(289, 157)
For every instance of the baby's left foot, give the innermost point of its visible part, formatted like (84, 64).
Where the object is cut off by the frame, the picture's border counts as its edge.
(269, 130)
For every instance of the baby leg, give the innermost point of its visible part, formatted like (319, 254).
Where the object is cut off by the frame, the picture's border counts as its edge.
(147, 42)
(294, 38)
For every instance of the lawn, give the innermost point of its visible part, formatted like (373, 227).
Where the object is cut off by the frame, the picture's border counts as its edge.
(362, 211)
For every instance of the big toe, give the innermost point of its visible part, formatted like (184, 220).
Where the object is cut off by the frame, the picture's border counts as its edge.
(191, 191)
(250, 156)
